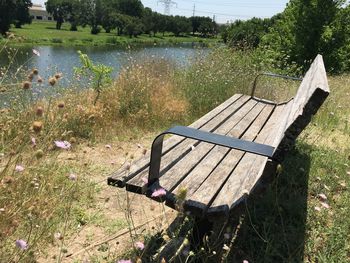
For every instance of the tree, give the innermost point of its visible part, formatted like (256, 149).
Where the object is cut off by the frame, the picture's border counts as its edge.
(21, 15)
(92, 13)
(7, 8)
(60, 10)
(130, 7)
(247, 34)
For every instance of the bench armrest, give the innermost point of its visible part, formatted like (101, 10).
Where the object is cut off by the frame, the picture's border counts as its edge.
(213, 138)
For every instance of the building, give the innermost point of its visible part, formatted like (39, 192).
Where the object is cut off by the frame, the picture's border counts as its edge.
(39, 13)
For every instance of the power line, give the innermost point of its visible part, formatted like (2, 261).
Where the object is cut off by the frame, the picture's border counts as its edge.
(167, 4)
(216, 13)
(240, 5)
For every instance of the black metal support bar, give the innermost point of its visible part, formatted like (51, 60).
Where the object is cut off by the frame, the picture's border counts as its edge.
(213, 138)
(271, 75)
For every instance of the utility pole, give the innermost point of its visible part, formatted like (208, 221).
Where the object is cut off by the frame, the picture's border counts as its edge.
(167, 4)
(194, 10)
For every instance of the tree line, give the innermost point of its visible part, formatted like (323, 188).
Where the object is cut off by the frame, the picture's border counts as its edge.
(294, 37)
(126, 17)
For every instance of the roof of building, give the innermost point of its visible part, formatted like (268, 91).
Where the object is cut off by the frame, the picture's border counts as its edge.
(37, 7)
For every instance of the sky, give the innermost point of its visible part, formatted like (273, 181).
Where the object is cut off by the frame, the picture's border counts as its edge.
(223, 10)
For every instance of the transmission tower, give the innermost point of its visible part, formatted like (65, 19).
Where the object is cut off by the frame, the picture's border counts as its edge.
(167, 4)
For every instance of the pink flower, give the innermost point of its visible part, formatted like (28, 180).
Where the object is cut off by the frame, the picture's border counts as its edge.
(139, 245)
(19, 168)
(323, 197)
(36, 52)
(33, 140)
(245, 261)
(325, 205)
(159, 193)
(124, 261)
(318, 209)
(63, 144)
(21, 244)
(72, 177)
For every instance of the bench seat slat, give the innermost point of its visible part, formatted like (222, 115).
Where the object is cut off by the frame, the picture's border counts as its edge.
(180, 152)
(123, 175)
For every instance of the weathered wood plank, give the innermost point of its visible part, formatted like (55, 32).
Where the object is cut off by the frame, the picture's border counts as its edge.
(120, 177)
(137, 183)
(310, 96)
(231, 190)
(198, 200)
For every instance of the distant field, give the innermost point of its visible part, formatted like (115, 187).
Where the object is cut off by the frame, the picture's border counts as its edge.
(45, 33)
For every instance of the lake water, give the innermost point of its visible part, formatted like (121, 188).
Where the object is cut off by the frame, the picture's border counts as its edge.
(63, 59)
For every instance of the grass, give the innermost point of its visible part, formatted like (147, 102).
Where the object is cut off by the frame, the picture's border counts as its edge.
(288, 223)
(45, 33)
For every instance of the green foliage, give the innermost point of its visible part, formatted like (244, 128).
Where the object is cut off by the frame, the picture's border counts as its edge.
(100, 73)
(247, 34)
(13, 11)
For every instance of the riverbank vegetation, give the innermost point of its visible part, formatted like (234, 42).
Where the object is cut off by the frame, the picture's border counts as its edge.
(44, 33)
(81, 21)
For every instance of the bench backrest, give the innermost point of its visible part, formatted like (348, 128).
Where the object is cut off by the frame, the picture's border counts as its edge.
(311, 94)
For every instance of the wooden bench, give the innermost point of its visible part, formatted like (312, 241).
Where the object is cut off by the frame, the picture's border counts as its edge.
(220, 158)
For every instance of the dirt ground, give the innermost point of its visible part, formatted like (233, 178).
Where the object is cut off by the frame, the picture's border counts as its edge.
(106, 235)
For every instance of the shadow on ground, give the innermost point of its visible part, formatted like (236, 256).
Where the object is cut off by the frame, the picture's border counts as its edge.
(274, 226)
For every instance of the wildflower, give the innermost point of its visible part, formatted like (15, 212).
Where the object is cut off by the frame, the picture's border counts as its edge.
(63, 144)
(61, 105)
(30, 76)
(325, 205)
(72, 177)
(37, 126)
(26, 85)
(33, 140)
(52, 81)
(124, 261)
(39, 111)
(317, 208)
(245, 261)
(182, 193)
(35, 71)
(19, 168)
(139, 245)
(322, 197)
(36, 52)
(159, 193)
(145, 180)
(21, 244)
(58, 236)
(58, 76)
